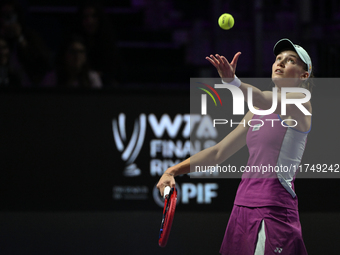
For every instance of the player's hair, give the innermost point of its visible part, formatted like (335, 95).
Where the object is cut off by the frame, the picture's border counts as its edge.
(308, 84)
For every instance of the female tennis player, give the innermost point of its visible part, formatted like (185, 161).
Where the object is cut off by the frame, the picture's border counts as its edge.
(264, 218)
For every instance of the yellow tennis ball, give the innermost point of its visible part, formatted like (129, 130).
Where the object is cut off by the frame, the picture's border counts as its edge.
(226, 21)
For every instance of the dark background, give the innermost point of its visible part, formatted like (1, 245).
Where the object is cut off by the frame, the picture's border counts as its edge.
(58, 157)
(171, 38)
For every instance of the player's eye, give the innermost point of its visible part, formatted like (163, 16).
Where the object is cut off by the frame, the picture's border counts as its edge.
(291, 60)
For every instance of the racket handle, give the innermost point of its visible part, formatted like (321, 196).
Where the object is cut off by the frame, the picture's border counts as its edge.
(166, 191)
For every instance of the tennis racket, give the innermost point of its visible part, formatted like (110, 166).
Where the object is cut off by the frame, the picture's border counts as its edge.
(170, 195)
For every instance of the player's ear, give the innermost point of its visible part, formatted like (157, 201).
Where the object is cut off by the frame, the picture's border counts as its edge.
(304, 76)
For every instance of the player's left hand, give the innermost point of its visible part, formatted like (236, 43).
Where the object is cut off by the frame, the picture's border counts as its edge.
(225, 69)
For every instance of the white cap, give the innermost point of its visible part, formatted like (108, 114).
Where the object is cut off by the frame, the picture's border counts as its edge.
(285, 44)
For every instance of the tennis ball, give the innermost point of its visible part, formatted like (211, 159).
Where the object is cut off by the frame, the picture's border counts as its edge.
(226, 21)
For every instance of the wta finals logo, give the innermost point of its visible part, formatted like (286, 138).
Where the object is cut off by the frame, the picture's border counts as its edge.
(129, 149)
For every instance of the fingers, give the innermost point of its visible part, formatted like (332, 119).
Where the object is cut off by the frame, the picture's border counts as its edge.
(235, 59)
(213, 61)
(222, 60)
(165, 181)
(218, 61)
(225, 60)
(161, 187)
(172, 184)
(217, 58)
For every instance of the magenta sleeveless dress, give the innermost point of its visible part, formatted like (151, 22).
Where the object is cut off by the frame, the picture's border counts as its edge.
(266, 191)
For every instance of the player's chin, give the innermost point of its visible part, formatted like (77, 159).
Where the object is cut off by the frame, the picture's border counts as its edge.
(276, 78)
(280, 81)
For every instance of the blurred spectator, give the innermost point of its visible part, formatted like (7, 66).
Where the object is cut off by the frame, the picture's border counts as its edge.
(8, 77)
(95, 27)
(72, 68)
(29, 55)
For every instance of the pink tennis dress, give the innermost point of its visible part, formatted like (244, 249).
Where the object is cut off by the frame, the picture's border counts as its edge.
(266, 196)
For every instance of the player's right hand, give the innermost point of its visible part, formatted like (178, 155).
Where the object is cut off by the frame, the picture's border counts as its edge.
(166, 180)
